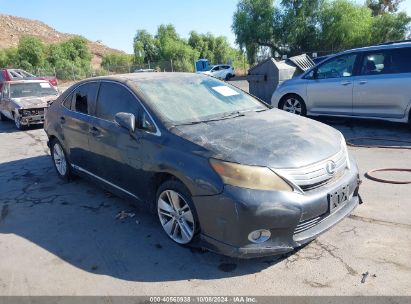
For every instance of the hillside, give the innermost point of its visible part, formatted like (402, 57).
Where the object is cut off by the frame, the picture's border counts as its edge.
(12, 28)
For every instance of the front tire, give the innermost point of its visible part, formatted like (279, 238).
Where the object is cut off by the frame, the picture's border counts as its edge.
(17, 122)
(294, 104)
(177, 213)
(60, 161)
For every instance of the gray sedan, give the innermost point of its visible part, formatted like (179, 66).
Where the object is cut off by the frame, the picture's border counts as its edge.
(221, 169)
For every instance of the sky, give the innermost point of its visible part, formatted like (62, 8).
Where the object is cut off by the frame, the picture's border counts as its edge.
(116, 22)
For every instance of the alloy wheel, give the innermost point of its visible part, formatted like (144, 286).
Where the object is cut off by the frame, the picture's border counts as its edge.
(176, 216)
(293, 105)
(59, 160)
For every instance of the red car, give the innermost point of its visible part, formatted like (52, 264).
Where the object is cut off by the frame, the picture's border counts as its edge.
(17, 74)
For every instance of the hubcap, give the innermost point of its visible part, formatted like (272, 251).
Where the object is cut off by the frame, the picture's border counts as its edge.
(59, 159)
(293, 105)
(176, 217)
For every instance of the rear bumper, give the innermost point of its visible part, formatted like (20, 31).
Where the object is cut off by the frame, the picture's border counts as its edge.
(227, 219)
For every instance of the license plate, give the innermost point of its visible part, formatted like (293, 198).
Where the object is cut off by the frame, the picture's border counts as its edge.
(338, 198)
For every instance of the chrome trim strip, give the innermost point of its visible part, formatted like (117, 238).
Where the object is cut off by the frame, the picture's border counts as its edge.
(105, 181)
(314, 173)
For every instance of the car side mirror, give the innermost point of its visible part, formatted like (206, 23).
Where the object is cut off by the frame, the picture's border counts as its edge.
(126, 120)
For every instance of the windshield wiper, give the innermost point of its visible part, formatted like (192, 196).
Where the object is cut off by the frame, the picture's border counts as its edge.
(222, 117)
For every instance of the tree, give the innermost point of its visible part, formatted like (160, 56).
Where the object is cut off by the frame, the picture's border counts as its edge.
(253, 25)
(119, 63)
(390, 27)
(76, 49)
(30, 52)
(380, 7)
(145, 47)
(304, 26)
(297, 25)
(344, 25)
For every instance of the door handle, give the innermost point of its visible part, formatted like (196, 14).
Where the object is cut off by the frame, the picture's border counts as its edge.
(62, 120)
(345, 83)
(363, 81)
(94, 131)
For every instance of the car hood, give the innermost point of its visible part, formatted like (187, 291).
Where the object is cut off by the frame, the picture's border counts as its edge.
(33, 102)
(272, 138)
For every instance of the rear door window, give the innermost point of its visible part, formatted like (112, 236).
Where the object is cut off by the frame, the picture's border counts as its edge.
(376, 63)
(84, 98)
(401, 60)
(113, 98)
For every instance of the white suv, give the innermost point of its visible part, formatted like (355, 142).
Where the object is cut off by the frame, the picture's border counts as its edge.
(220, 71)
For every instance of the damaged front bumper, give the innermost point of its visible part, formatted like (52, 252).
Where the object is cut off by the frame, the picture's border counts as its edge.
(31, 117)
(293, 219)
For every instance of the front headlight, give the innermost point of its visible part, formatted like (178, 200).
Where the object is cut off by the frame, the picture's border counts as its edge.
(251, 177)
(344, 147)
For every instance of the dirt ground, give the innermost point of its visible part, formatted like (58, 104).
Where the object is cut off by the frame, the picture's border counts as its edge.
(60, 238)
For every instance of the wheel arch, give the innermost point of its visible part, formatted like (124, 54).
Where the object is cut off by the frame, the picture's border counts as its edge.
(157, 180)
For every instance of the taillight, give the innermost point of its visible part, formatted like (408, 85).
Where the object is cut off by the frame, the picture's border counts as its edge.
(53, 82)
(6, 75)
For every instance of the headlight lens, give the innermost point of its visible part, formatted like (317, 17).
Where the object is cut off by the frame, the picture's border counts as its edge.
(251, 177)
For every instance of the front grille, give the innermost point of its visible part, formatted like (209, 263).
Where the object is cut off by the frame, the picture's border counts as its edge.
(31, 112)
(315, 175)
(307, 224)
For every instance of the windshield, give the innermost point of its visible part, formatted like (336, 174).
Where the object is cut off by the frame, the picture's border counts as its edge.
(35, 89)
(209, 68)
(193, 99)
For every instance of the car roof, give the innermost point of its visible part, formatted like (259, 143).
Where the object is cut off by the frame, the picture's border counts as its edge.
(383, 46)
(136, 77)
(26, 81)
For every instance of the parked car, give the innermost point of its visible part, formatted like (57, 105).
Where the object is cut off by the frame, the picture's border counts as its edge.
(18, 74)
(220, 71)
(221, 169)
(144, 70)
(372, 82)
(24, 101)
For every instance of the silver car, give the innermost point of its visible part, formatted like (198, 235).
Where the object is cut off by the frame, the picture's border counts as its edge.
(372, 82)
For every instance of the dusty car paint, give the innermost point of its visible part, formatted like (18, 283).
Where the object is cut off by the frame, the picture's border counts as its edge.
(134, 164)
(29, 110)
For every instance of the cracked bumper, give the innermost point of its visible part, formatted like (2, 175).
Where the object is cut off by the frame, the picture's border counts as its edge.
(227, 219)
(32, 120)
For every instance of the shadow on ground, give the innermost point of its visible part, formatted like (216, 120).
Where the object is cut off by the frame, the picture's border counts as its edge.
(77, 222)
(371, 133)
(8, 126)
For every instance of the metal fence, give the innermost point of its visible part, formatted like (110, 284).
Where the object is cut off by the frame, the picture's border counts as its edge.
(74, 72)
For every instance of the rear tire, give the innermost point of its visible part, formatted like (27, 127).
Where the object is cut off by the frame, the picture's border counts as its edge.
(176, 212)
(60, 160)
(294, 104)
(228, 77)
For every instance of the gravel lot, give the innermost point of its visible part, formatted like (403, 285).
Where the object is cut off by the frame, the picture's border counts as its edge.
(60, 238)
